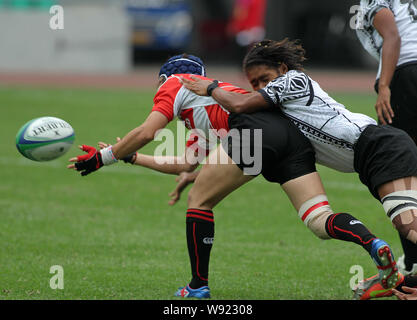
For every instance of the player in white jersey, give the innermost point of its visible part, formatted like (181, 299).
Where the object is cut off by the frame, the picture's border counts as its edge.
(387, 29)
(384, 157)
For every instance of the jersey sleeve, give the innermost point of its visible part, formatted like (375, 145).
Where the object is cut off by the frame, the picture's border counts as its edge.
(290, 86)
(370, 8)
(164, 99)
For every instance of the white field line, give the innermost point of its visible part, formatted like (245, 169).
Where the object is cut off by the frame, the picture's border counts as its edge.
(123, 168)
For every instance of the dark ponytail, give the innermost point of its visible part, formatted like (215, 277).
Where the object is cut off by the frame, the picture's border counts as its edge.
(273, 53)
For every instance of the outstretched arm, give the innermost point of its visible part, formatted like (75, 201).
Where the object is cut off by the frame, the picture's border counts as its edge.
(168, 165)
(165, 164)
(231, 101)
(140, 136)
(133, 141)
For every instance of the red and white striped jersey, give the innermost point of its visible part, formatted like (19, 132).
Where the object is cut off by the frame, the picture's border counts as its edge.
(197, 112)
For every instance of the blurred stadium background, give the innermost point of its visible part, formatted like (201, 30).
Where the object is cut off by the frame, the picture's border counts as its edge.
(99, 73)
(125, 41)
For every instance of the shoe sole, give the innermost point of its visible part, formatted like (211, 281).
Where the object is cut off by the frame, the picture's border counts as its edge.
(388, 272)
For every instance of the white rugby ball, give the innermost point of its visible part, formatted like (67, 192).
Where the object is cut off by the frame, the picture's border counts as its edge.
(45, 138)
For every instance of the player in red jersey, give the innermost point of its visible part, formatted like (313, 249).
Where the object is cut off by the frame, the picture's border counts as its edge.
(287, 158)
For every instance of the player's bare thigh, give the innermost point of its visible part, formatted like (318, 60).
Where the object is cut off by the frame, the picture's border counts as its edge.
(218, 178)
(303, 188)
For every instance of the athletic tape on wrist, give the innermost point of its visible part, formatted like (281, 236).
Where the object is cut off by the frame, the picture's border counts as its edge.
(107, 156)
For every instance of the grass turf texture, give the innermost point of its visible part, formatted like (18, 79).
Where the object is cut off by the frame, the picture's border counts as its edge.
(116, 237)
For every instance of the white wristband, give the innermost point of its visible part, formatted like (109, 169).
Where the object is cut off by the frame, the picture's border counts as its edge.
(107, 156)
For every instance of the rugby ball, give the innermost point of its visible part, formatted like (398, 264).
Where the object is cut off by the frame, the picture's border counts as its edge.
(45, 138)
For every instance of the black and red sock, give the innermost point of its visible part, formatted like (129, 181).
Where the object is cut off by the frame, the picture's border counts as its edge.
(200, 236)
(345, 227)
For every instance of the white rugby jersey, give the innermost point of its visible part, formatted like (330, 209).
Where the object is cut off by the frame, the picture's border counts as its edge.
(332, 129)
(405, 12)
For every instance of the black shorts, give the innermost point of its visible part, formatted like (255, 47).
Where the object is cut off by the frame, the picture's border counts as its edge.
(284, 153)
(384, 154)
(404, 99)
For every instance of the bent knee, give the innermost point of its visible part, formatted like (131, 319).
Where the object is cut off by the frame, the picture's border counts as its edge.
(200, 200)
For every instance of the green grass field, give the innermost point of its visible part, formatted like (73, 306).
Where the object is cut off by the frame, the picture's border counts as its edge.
(116, 237)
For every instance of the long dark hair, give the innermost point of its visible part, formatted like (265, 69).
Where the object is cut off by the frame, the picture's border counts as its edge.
(273, 53)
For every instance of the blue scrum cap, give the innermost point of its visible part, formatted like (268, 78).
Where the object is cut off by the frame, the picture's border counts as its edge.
(183, 64)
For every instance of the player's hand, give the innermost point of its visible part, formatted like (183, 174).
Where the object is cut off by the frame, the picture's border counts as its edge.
(183, 179)
(403, 296)
(383, 105)
(196, 85)
(130, 158)
(87, 163)
(103, 145)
